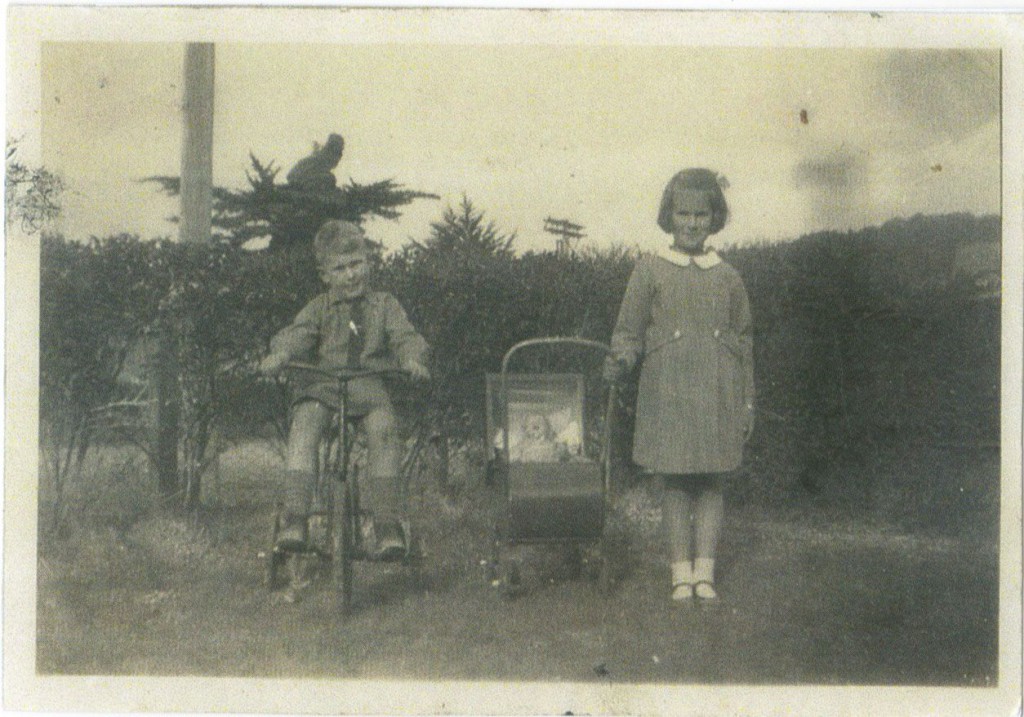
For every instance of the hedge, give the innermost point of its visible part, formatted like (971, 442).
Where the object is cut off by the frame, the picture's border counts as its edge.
(861, 338)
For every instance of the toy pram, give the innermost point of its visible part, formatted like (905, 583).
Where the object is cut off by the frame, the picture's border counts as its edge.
(551, 455)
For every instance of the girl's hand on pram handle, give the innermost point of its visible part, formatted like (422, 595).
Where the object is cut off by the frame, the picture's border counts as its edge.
(416, 371)
(748, 421)
(615, 369)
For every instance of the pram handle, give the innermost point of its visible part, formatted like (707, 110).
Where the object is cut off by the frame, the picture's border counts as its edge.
(549, 341)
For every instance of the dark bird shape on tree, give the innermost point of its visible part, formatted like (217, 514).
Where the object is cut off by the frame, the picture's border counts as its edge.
(313, 173)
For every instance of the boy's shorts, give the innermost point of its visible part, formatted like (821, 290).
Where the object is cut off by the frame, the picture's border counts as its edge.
(364, 395)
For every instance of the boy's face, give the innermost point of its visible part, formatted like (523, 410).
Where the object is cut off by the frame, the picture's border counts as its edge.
(347, 274)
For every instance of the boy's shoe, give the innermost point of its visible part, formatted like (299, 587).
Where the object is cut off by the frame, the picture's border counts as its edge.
(316, 532)
(367, 532)
(391, 539)
(292, 534)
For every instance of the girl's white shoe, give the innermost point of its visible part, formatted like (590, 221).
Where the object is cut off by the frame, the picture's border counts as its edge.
(682, 581)
(682, 592)
(705, 590)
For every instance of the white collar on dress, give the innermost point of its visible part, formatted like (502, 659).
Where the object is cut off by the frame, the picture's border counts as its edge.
(706, 260)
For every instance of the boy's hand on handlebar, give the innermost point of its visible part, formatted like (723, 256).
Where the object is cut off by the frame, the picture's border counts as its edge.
(416, 370)
(272, 364)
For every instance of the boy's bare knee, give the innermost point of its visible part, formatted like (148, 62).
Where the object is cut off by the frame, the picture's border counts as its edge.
(381, 425)
(307, 427)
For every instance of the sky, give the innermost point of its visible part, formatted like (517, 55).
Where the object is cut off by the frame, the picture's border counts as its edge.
(586, 133)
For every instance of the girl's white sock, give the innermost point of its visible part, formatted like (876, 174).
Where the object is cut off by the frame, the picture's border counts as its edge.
(704, 569)
(682, 572)
(682, 580)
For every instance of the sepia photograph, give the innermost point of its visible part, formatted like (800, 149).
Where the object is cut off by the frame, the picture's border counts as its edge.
(506, 361)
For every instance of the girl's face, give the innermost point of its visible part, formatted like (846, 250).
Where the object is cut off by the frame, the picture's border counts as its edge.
(691, 219)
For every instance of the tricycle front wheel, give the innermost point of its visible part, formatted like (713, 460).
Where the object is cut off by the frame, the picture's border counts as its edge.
(343, 548)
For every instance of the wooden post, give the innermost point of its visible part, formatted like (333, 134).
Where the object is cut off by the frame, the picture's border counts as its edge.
(196, 210)
(197, 143)
(163, 373)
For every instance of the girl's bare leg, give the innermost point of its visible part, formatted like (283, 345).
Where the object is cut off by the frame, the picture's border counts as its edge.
(709, 510)
(676, 505)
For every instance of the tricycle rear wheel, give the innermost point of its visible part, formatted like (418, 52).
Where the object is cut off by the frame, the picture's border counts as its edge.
(272, 577)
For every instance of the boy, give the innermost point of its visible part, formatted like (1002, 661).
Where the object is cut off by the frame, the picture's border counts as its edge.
(346, 326)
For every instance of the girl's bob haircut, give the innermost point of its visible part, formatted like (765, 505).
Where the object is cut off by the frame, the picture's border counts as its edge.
(336, 238)
(704, 180)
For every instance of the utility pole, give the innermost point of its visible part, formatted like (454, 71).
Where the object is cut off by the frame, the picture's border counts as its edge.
(567, 232)
(194, 227)
(197, 144)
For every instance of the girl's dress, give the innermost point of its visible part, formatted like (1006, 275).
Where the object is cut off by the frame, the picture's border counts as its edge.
(687, 319)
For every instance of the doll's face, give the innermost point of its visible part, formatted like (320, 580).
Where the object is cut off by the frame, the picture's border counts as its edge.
(535, 428)
(347, 274)
(692, 216)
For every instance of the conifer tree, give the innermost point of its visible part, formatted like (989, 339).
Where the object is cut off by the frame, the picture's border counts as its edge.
(291, 215)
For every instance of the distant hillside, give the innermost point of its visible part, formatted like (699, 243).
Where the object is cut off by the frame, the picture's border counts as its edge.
(901, 260)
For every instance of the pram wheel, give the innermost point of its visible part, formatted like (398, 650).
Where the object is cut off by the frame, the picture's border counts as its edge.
(414, 562)
(510, 581)
(573, 561)
(605, 580)
(503, 575)
(597, 567)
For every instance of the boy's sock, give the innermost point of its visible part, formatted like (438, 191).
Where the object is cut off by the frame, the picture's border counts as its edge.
(390, 526)
(298, 492)
(297, 496)
(682, 580)
(704, 573)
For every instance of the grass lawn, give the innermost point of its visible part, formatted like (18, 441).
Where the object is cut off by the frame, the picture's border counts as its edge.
(808, 597)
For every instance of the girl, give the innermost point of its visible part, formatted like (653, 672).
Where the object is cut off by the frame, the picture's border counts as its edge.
(686, 315)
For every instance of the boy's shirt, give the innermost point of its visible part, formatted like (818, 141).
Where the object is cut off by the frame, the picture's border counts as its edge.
(323, 325)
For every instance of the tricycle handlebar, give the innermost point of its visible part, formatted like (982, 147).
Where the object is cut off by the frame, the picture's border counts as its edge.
(343, 374)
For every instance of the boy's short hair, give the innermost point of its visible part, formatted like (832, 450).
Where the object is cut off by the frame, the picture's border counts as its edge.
(700, 179)
(337, 237)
